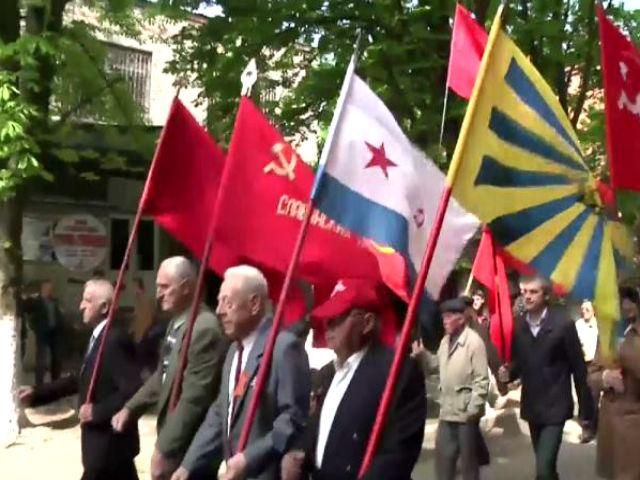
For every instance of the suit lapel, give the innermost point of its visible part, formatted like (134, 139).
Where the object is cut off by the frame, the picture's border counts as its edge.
(174, 357)
(253, 363)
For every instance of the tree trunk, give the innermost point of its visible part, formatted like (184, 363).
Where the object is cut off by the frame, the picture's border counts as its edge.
(10, 280)
(10, 269)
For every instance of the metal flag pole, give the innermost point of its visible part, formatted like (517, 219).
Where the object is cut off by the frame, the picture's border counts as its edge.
(248, 78)
(124, 265)
(405, 336)
(265, 365)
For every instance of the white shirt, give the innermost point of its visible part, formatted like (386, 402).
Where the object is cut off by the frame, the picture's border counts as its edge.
(247, 343)
(339, 385)
(588, 334)
(318, 357)
(96, 333)
(535, 327)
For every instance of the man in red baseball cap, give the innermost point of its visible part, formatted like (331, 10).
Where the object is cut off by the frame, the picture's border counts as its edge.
(359, 325)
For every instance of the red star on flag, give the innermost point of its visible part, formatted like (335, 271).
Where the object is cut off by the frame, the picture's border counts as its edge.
(379, 159)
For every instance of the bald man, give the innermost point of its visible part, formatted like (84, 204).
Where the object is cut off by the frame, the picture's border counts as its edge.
(175, 288)
(106, 454)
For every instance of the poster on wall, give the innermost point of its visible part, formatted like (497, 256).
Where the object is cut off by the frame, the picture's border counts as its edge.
(80, 242)
(36, 240)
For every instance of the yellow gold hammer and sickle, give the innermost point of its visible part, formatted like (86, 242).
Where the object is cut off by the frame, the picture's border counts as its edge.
(283, 166)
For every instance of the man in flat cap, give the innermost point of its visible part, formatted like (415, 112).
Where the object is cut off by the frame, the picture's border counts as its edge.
(360, 325)
(464, 386)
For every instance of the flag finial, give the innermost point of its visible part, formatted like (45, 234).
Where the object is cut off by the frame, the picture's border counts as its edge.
(249, 77)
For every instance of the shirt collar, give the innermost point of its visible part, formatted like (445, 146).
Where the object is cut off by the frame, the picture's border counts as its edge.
(98, 329)
(350, 362)
(539, 322)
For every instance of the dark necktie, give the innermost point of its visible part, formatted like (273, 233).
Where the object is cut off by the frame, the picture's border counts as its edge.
(238, 374)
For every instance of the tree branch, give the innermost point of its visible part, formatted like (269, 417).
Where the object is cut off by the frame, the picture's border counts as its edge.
(587, 67)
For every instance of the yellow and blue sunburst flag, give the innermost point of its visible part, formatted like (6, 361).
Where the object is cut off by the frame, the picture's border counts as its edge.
(519, 168)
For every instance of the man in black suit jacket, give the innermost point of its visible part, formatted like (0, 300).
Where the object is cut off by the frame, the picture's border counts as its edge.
(351, 390)
(546, 353)
(106, 454)
(47, 322)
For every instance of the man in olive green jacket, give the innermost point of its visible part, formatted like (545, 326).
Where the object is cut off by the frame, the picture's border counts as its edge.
(175, 289)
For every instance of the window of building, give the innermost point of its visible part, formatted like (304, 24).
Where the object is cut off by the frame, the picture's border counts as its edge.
(135, 67)
(119, 236)
(146, 246)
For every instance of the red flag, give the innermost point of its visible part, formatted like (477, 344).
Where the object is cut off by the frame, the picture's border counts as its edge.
(183, 184)
(181, 196)
(467, 47)
(489, 270)
(263, 198)
(621, 74)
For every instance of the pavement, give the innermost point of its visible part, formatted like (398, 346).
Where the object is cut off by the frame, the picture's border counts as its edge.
(49, 447)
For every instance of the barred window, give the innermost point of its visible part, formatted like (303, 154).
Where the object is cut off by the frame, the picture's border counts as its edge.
(135, 67)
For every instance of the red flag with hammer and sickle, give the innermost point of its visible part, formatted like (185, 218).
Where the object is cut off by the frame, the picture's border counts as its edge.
(621, 74)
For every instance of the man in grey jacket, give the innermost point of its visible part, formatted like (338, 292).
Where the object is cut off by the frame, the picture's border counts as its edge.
(464, 386)
(284, 406)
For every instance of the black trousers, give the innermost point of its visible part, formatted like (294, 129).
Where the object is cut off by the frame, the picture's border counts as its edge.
(457, 440)
(50, 343)
(546, 440)
(118, 471)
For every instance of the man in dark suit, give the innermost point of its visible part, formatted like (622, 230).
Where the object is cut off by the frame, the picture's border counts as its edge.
(46, 320)
(243, 305)
(351, 391)
(106, 455)
(546, 353)
(175, 288)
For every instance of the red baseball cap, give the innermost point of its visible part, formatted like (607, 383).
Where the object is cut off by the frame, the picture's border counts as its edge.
(353, 293)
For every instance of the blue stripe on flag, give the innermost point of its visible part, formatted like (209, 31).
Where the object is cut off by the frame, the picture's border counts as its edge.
(496, 174)
(585, 284)
(524, 88)
(362, 216)
(513, 226)
(509, 130)
(547, 260)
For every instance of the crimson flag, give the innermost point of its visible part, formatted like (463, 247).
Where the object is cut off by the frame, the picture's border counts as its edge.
(489, 270)
(621, 75)
(467, 47)
(263, 198)
(181, 196)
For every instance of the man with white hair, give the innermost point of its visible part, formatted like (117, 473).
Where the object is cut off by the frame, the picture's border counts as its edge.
(106, 454)
(175, 288)
(243, 310)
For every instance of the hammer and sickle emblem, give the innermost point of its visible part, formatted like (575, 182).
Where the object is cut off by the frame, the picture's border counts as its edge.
(283, 166)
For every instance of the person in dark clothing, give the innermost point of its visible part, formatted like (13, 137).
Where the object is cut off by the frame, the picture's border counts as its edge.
(47, 322)
(106, 454)
(546, 353)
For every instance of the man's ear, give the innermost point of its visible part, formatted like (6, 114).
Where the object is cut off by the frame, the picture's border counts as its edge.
(104, 308)
(370, 321)
(254, 304)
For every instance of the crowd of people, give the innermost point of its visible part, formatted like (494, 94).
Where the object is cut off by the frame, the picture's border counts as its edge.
(316, 423)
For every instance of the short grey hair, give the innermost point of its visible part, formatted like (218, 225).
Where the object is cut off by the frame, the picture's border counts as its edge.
(252, 280)
(102, 289)
(181, 268)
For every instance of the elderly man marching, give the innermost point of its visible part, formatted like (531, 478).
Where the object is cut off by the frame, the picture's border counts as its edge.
(464, 386)
(356, 318)
(244, 310)
(175, 287)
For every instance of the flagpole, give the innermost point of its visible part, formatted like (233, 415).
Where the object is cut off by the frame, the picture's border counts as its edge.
(434, 234)
(496, 283)
(248, 78)
(265, 365)
(123, 266)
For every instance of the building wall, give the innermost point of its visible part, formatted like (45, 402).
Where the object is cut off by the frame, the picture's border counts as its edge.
(155, 39)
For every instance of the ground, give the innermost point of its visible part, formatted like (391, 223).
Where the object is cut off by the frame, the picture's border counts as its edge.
(49, 447)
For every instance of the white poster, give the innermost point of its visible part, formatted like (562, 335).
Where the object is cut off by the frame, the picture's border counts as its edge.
(80, 242)
(36, 240)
